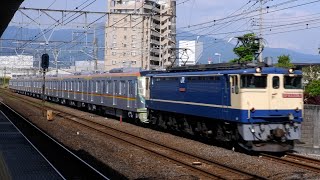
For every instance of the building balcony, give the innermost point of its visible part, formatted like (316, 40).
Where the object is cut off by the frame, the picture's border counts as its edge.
(156, 18)
(155, 42)
(154, 58)
(124, 6)
(151, 7)
(154, 33)
(154, 50)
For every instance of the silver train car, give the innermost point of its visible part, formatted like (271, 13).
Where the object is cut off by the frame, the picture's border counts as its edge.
(117, 94)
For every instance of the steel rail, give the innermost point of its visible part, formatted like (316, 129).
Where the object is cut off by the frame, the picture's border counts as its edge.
(204, 167)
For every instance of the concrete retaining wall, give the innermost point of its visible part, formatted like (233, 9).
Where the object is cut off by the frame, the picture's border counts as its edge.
(310, 130)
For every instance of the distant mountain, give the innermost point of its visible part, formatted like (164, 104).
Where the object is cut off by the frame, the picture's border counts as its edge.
(69, 53)
(212, 45)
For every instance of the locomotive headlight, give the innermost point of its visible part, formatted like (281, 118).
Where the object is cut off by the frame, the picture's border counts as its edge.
(258, 70)
(291, 70)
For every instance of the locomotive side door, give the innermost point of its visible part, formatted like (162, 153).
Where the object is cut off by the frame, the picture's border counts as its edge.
(225, 96)
(274, 92)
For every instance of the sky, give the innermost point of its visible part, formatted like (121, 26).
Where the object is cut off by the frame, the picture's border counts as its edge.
(291, 24)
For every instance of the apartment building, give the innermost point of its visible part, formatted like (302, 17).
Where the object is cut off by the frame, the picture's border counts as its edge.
(140, 33)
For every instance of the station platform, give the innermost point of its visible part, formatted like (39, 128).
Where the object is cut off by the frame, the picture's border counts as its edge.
(19, 159)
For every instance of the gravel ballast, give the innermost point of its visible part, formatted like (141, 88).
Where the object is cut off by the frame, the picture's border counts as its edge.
(134, 163)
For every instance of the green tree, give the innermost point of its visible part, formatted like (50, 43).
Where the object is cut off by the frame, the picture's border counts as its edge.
(313, 88)
(311, 73)
(284, 62)
(248, 50)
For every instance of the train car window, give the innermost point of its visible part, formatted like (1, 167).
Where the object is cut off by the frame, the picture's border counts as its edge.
(123, 87)
(293, 82)
(233, 81)
(97, 86)
(108, 86)
(92, 86)
(81, 86)
(103, 86)
(275, 82)
(130, 85)
(253, 82)
(120, 88)
(236, 81)
(78, 86)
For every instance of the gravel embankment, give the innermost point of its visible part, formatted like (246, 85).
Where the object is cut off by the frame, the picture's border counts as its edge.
(133, 162)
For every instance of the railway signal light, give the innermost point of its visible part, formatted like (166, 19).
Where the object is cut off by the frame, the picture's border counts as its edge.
(45, 61)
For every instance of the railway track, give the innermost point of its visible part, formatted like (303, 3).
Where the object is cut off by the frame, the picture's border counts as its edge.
(296, 160)
(203, 168)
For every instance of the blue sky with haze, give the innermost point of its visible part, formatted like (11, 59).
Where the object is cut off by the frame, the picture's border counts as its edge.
(279, 16)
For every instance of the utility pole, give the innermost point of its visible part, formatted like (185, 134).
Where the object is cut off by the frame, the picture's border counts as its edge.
(260, 31)
(4, 76)
(56, 53)
(95, 50)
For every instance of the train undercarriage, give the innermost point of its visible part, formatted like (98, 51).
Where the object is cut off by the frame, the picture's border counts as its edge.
(275, 139)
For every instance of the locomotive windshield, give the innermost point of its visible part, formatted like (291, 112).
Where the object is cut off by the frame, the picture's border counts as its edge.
(253, 82)
(294, 82)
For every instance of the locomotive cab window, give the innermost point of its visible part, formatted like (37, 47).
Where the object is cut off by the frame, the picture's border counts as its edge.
(253, 82)
(275, 82)
(292, 82)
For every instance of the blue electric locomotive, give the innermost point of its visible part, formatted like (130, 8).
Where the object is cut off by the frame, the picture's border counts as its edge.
(261, 108)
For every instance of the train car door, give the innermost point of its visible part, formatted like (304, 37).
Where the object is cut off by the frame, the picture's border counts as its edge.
(68, 89)
(102, 90)
(88, 91)
(147, 95)
(82, 89)
(130, 90)
(91, 90)
(114, 92)
(225, 95)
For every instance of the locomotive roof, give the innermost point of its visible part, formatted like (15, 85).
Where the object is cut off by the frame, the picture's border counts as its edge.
(265, 70)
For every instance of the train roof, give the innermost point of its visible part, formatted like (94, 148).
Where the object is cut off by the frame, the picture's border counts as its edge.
(264, 70)
(88, 76)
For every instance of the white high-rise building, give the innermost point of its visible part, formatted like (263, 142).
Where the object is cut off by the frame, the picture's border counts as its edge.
(140, 33)
(190, 52)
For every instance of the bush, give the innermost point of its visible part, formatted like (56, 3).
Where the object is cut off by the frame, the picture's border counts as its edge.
(313, 88)
(311, 99)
